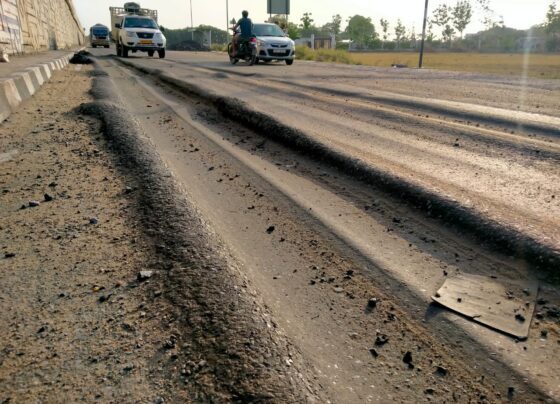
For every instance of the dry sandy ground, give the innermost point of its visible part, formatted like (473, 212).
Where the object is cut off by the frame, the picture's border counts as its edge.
(76, 323)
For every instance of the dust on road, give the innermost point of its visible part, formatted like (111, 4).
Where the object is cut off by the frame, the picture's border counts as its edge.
(77, 324)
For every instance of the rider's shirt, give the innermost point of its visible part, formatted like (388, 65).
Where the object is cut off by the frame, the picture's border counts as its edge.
(246, 26)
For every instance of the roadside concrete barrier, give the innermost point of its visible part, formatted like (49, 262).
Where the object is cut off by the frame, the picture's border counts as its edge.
(21, 86)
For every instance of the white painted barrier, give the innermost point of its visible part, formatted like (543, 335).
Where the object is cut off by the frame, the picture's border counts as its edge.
(21, 86)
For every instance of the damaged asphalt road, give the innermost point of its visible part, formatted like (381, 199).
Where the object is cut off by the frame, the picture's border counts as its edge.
(211, 263)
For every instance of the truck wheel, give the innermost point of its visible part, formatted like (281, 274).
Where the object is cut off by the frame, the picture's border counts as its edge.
(124, 51)
(94, 46)
(289, 62)
(150, 53)
(161, 53)
(118, 50)
(106, 46)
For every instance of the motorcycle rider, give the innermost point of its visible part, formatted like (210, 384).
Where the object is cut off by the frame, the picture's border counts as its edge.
(246, 27)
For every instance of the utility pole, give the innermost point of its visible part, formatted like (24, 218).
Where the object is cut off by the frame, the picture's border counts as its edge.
(227, 20)
(421, 61)
(192, 28)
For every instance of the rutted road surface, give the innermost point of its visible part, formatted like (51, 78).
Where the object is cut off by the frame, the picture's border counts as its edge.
(498, 161)
(318, 243)
(298, 220)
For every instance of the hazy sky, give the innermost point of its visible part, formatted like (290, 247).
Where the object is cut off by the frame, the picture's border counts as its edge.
(176, 13)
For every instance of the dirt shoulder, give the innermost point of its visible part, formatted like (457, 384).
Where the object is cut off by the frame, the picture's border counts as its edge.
(95, 304)
(77, 325)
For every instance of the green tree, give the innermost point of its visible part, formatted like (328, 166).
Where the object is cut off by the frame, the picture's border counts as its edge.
(462, 15)
(333, 26)
(279, 20)
(400, 33)
(293, 31)
(360, 30)
(306, 21)
(430, 36)
(552, 22)
(385, 29)
(448, 33)
(488, 15)
(442, 18)
(552, 27)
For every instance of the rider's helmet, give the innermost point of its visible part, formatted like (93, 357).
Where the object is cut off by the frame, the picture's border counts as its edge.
(245, 13)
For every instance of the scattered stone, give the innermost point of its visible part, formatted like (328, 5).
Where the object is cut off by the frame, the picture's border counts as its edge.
(128, 368)
(553, 312)
(544, 333)
(145, 275)
(104, 298)
(407, 358)
(270, 229)
(159, 400)
(34, 204)
(511, 392)
(53, 185)
(429, 391)
(441, 371)
(48, 198)
(542, 301)
(128, 190)
(81, 58)
(381, 340)
(93, 221)
(520, 317)
(374, 352)
(128, 327)
(9, 255)
(353, 335)
(372, 303)
(338, 290)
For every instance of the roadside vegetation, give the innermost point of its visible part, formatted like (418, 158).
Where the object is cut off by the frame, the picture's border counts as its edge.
(539, 65)
(362, 40)
(324, 55)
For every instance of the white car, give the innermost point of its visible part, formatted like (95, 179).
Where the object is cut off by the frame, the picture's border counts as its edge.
(273, 44)
(140, 33)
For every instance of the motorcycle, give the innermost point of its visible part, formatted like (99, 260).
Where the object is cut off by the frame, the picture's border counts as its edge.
(246, 50)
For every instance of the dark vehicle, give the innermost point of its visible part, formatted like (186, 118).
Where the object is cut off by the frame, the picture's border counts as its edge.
(246, 50)
(99, 36)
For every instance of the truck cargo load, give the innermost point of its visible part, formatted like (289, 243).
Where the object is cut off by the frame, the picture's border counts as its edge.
(99, 36)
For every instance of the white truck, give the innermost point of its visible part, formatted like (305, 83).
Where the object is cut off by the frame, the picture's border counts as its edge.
(135, 29)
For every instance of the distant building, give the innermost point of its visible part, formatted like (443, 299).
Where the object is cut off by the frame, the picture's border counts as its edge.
(318, 41)
(531, 44)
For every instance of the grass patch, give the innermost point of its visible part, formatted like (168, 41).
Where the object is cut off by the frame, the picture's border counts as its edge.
(218, 47)
(546, 66)
(324, 55)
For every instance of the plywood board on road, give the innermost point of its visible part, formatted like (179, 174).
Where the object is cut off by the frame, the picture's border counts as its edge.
(504, 305)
